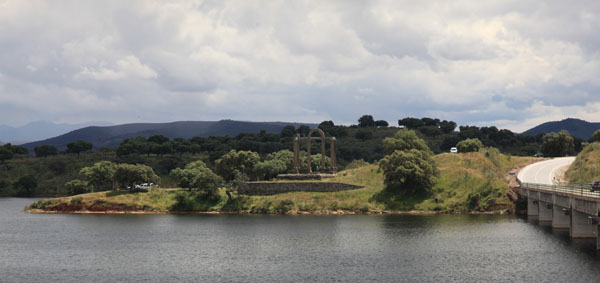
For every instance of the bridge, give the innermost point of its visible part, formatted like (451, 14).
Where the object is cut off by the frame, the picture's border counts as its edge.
(567, 206)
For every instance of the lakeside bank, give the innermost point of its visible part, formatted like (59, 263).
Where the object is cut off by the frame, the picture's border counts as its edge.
(467, 183)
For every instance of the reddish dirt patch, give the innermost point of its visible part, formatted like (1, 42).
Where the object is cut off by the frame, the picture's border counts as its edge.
(95, 207)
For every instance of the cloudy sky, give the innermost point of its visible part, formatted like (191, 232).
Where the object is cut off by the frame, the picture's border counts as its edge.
(513, 64)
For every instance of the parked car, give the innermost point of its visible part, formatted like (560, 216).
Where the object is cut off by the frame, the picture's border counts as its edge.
(539, 154)
(453, 150)
(145, 186)
(595, 186)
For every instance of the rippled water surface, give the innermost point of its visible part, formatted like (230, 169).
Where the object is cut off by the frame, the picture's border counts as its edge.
(251, 248)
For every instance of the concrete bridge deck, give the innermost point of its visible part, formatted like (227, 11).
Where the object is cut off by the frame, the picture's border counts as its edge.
(567, 206)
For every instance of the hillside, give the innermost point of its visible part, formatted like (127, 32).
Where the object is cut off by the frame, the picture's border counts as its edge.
(586, 167)
(114, 135)
(467, 182)
(577, 128)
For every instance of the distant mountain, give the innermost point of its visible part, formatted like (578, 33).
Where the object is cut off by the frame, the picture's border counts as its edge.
(114, 135)
(576, 127)
(39, 130)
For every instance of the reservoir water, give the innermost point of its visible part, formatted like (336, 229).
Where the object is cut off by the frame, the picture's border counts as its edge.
(267, 248)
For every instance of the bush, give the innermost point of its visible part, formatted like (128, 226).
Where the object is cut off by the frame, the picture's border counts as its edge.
(285, 205)
(404, 140)
(77, 187)
(408, 171)
(469, 145)
(76, 200)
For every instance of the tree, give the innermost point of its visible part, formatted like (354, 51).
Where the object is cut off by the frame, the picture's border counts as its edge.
(158, 139)
(79, 146)
(128, 174)
(411, 123)
(15, 149)
(404, 140)
(5, 154)
(197, 176)
(430, 122)
(409, 172)
(381, 123)
(242, 161)
(557, 144)
(430, 131)
(100, 175)
(45, 150)
(326, 124)
(26, 185)
(447, 126)
(363, 134)
(77, 187)
(366, 121)
(469, 145)
(595, 137)
(269, 169)
(288, 131)
(303, 130)
(285, 156)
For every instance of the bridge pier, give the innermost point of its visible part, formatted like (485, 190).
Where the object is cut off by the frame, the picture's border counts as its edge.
(545, 211)
(561, 217)
(532, 207)
(581, 226)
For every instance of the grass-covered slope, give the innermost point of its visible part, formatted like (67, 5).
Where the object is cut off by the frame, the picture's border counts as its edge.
(467, 182)
(586, 167)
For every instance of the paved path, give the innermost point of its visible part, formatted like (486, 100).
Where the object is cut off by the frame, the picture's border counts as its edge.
(543, 172)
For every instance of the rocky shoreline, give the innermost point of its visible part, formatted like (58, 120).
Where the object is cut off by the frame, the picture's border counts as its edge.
(291, 212)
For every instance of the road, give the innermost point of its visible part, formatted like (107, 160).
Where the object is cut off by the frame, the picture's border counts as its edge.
(543, 172)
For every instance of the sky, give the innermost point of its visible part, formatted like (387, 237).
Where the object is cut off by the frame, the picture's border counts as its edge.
(512, 64)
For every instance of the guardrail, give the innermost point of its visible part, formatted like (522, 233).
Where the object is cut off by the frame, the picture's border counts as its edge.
(573, 188)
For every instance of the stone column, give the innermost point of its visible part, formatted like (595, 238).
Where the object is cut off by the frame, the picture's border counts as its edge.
(581, 225)
(296, 155)
(545, 211)
(561, 217)
(333, 162)
(323, 154)
(308, 158)
(532, 207)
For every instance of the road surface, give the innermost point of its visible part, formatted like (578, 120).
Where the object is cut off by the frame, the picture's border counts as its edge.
(543, 172)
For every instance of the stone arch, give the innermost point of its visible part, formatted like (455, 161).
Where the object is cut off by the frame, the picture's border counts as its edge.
(309, 138)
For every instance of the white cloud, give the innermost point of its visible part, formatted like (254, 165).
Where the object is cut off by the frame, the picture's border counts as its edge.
(514, 63)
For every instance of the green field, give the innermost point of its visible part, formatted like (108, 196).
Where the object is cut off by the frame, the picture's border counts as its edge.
(467, 182)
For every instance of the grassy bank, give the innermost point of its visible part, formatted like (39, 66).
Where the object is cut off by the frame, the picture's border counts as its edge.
(467, 182)
(586, 167)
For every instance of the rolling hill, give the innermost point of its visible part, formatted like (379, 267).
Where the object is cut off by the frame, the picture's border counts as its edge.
(114, 135)
(576, 127)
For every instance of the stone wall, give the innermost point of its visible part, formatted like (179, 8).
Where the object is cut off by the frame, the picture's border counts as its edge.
(271, 188)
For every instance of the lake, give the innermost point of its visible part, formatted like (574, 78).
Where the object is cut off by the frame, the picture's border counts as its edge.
(268, 248)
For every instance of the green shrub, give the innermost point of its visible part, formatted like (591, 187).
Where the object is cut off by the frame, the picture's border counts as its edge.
(469, 145)
(76, 200)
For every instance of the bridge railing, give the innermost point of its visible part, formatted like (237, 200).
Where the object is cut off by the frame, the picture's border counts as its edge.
(573, 188)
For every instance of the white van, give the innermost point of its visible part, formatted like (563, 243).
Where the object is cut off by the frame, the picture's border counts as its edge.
(453, 150)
